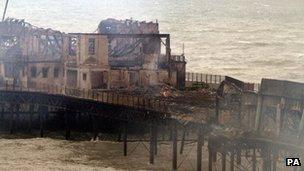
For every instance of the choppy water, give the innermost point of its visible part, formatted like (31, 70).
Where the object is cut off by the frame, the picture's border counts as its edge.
(248, 39)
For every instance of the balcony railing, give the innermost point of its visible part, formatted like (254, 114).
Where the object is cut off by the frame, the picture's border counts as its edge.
(206, 78)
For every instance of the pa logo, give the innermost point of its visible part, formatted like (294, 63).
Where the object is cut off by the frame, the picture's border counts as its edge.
(293, 162)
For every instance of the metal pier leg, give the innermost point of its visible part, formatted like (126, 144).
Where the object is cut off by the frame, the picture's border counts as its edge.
(199, 148)
(174, 140)
(11, 123)
(274, 161)
(210, 158)
(31, 112)
(183, 141)
(266, 160)
(258, 112)
(155, 139)
(238, 156)
(224, 161)
(232, 160)
(125, 138)
(95, 126)
(214, 155)
(41, 119)
(67, 125)
(17, 111)
(152, 144)
(2, 111)
(254, 160)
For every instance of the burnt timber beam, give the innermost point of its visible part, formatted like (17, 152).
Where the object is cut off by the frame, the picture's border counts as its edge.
(5, 9)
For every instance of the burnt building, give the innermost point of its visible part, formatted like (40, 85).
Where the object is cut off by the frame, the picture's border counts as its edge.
(122, 55)
(31, 55)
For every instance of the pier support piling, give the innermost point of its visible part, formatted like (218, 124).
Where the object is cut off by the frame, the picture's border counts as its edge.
(155, 139)
(183, 141)
(210, 157)
(254, 160)
(42, 111)
(199, 148)
(125, 138)
(95, 126)
(31, 112)
(224, 160)
(232, 160)
(152, 143)
(174, 150)
(67, 125)
(12, 118)
(238, 157)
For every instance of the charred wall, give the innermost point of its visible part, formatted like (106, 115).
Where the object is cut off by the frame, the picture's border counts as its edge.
(131, 52)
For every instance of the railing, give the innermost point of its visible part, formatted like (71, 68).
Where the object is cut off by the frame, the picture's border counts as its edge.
(178, 58)
(206, 78)
(110, 97)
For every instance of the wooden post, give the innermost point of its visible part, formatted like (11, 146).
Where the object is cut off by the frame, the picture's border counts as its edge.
(152, 144)
(174, 150)
(125, 138)
(232, 160)
(199, 147)
(31, 111)
(183, 141)
(67, 125)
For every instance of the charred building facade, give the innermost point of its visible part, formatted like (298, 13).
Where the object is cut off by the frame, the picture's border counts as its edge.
(122, 55)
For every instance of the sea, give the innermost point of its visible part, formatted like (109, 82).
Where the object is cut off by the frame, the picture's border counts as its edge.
(245, 39)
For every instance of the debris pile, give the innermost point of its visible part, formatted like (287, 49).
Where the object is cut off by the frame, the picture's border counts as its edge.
(193, 103)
